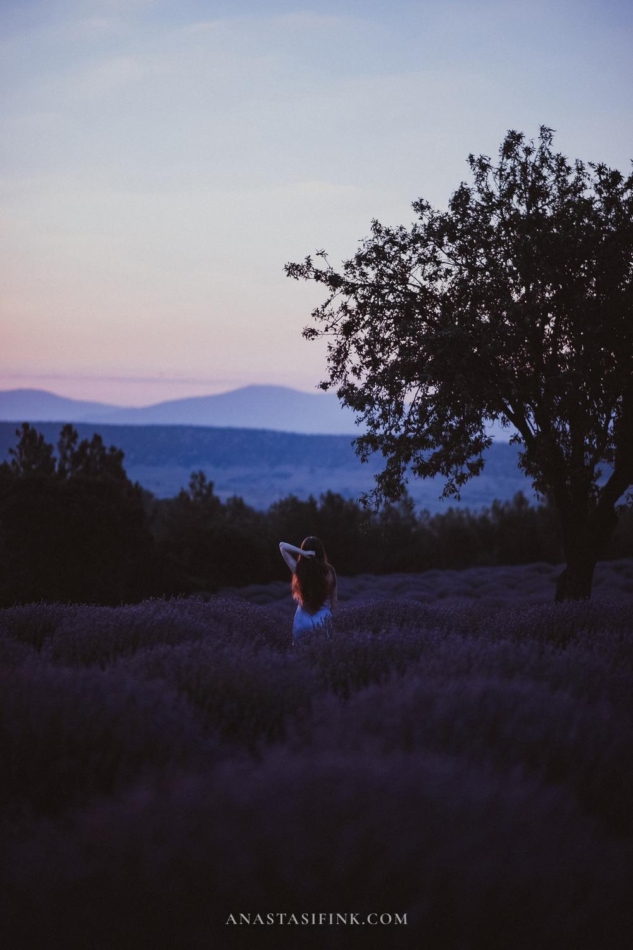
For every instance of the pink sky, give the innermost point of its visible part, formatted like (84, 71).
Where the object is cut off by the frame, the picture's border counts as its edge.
(162, 161)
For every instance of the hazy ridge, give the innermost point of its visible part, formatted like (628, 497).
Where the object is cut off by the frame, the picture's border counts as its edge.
(251, 407)
(262, 465)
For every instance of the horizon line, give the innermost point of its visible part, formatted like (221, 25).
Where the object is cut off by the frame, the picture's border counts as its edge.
(222, 392)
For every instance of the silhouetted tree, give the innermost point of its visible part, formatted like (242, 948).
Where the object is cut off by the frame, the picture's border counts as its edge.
(346, 527)
(32, 455)
(293, 519)
(208, 543)
(75, 532)
(515, 304)
(201, 492)
(89, 458)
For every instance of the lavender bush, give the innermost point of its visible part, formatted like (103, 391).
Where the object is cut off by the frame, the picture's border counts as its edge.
(461, 751)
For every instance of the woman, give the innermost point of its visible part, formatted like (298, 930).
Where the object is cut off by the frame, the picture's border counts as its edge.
(313, 586)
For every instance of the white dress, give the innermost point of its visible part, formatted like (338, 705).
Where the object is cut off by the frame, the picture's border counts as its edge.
(305, 622)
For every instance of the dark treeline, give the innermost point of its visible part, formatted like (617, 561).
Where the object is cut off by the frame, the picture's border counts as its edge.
(74, 528)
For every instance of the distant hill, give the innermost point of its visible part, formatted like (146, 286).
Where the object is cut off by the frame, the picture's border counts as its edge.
(39, 405)
(263, 466)
(252, 407)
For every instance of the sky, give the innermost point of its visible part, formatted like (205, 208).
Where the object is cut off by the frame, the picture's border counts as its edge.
(161, 160)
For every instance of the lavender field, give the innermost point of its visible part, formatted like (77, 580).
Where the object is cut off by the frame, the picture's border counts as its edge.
(461, 751)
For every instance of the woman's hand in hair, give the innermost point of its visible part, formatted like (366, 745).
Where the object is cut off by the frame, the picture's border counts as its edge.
(308, 553)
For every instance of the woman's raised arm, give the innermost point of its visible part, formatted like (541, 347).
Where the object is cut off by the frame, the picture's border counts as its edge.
(290, 554)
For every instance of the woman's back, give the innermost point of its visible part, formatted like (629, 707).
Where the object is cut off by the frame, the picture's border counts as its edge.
(313, 586)
(332, 585)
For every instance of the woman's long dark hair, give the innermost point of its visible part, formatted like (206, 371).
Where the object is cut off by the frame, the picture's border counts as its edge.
(314, 579)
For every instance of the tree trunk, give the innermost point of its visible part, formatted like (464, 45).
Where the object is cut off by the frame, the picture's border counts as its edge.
(575, 581)
(583, 544)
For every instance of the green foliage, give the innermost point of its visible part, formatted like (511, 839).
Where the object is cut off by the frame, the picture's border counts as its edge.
(516, 305)
(88, 458)
(207, 543)
(76, 537)
(75, 531)
(214, 544)
(32, 455)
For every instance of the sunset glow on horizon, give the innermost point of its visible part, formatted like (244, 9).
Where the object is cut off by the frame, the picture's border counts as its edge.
(162, 161)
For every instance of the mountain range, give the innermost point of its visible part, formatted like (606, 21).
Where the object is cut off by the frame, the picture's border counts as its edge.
(259, 442)
(278, 408)
(251, 407)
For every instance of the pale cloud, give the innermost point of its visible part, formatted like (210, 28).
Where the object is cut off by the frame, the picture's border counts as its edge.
(96, 8)
(90, 30)
(104, 79)
(308, 20)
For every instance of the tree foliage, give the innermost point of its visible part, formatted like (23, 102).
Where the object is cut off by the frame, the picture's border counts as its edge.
(515, 304)
(89, 458)
(32, 455)
(99, 539)
(72, 528)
